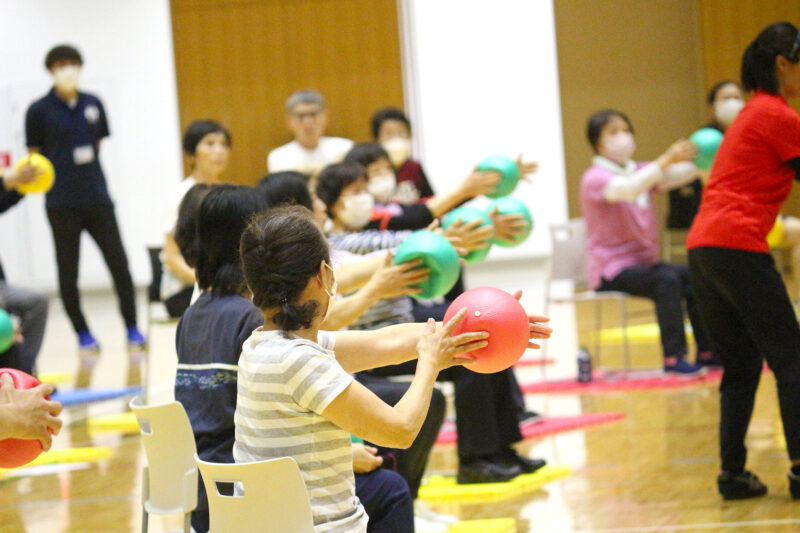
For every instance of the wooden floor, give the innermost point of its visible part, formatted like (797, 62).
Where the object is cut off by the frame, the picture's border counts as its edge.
(652, 471)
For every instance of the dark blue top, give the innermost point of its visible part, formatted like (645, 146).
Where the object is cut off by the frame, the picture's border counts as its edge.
(7, 201)
(209, 341)
(69, 138)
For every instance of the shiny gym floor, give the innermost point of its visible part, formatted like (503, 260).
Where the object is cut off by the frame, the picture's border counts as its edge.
(654, 470)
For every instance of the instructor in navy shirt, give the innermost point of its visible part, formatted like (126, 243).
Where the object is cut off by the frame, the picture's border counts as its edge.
(66, 126)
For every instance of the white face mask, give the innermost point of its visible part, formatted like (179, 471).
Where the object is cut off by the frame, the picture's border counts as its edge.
(619, 147)
(726, 110)
(382, 186)
(66, 78)
(357, 210)
(399, 149)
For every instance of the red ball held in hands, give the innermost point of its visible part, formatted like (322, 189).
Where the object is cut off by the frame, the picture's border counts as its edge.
(500, 314)
(19, 452)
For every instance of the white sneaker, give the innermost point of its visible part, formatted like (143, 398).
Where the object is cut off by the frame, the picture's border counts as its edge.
(426, 526)
(423, 511)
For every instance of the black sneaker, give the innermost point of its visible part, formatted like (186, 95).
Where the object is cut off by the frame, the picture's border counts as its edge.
(486, 471)
(740, 486)
(794, 485)
(527, 465)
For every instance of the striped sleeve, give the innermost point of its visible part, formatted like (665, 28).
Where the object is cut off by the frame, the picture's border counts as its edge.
(315, 379)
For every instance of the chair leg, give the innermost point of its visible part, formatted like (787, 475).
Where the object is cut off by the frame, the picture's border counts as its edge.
(187, 523)
(598, 328)
(623, 309)
(144, 520)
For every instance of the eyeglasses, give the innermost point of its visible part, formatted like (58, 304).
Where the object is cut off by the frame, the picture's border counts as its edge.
(795, 49)
(307, 114)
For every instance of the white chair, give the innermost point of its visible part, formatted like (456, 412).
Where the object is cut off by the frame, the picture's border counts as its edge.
(271, 497)
(169, 481)
(569, 264)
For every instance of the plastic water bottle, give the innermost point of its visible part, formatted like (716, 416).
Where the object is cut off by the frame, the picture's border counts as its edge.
(584, 366)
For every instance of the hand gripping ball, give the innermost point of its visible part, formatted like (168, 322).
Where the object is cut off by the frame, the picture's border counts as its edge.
(438, 255)
(6, 331)
(707, 141)
(509, 172)
(499, 313)
(467, 215)
(19, 452)
(512, 206)
(41, 183)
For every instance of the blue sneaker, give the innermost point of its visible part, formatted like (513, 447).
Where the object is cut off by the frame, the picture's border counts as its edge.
(135, 338)
(679, 365)
(87, 341)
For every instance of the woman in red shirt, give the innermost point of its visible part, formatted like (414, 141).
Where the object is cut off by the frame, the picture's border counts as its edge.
(740, 294)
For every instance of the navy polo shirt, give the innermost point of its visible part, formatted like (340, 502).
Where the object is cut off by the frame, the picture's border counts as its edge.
(69, 138)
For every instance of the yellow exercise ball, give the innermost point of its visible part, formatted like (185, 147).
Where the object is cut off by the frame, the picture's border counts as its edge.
(775, 235)
(41, 183)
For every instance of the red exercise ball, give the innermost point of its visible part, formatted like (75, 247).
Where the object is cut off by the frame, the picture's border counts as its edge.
(500, 314)
(19, 452)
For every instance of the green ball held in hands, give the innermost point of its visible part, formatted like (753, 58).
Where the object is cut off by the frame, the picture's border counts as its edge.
(511, 206)
(707, 141)
(507, 168)
(438, 255)
(467, 215)
(6, 331)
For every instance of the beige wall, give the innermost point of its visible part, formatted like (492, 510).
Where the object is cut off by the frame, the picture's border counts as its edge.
(642, 57)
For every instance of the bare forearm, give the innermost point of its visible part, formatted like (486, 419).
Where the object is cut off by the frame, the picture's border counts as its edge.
(441, 204)
(413, 406)
(391, 345)
(346, 310)
(353, 276)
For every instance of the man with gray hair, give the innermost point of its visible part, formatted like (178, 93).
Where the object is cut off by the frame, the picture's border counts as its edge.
(310, 151)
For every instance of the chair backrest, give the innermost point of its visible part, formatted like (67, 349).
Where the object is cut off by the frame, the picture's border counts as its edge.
(271, 497)
(569, 251)
(170, 448)
(154, 290)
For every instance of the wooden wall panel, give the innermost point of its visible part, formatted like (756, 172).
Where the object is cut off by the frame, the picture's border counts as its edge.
(237, 61)
(727, 27)
(640, 57)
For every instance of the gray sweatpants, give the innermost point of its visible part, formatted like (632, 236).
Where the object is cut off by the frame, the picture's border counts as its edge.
(31, 308)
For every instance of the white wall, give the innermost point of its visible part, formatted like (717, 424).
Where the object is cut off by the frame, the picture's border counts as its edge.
(128, 63)
(482, 78)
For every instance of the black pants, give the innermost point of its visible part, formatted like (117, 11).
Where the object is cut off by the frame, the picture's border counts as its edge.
(486, 414)
(99, 220)
(750, 318)
(667, 285)
(179, 302)
(410, 462)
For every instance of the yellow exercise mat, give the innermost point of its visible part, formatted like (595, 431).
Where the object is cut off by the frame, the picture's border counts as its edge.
(56, 378)
(124, 422)
(490, 525)
(640, 333)
(446, 489)
(91, 454)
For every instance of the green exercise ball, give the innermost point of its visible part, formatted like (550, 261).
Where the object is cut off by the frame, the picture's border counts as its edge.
(6, 331)
(707, 141)
(511, 206)
(438, 255)
(467, 215)
(507, 168)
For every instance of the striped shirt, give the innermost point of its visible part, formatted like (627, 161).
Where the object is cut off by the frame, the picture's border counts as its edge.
(388, 311)
(284, 384)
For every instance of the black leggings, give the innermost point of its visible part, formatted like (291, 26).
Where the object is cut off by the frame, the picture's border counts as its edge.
(99, 220)
(750, 318)
(667, 285)
(486, 413)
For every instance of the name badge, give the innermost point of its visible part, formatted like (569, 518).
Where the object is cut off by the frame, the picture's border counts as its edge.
(83, 155)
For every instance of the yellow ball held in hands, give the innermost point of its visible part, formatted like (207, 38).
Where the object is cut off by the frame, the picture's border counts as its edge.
(43, 181)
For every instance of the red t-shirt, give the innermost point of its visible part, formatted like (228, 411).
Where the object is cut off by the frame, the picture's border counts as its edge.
(750, 179)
